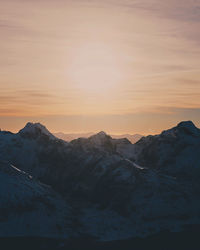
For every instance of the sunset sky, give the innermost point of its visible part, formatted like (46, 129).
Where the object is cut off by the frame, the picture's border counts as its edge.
(123, 66)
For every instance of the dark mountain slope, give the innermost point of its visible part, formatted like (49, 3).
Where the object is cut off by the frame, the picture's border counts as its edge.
(29, 208)
(118, 190)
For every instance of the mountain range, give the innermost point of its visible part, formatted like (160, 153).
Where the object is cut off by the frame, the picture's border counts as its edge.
(101, 187)
(69, 137)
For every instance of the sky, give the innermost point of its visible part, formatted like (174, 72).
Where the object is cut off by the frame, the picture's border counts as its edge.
(122, 66)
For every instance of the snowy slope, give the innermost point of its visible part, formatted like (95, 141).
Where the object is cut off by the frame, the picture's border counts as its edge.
(29, 208)
(144, 204)
(175, 151)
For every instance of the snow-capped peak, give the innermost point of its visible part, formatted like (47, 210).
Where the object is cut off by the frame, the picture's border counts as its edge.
(35, 129)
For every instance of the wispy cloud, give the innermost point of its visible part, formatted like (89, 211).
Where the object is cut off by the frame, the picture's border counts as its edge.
(156, 44)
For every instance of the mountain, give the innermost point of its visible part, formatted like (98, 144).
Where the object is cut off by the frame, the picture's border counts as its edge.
(100, 141)
(69, 137)
(132, 138)
(72, 136)
(175, 152)
(116, 189)
(29, 208)
(35, 130)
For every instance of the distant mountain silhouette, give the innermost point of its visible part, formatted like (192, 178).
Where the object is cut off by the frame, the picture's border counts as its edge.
(69, 137)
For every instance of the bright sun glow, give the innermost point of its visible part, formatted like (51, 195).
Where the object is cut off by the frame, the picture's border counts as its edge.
(95, 67)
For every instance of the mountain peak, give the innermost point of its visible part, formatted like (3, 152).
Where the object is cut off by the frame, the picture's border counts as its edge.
(100, 136)
(186, 124)
(102, 133)
(100, 139)
(35, 129)
(188, 127)
(183, 128)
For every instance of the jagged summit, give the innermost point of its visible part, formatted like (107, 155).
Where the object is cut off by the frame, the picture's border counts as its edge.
(100, 134)
(102, 142)
(35, 129)
(186, 124)
(188, 127)
(100, 138)
(182, 128)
